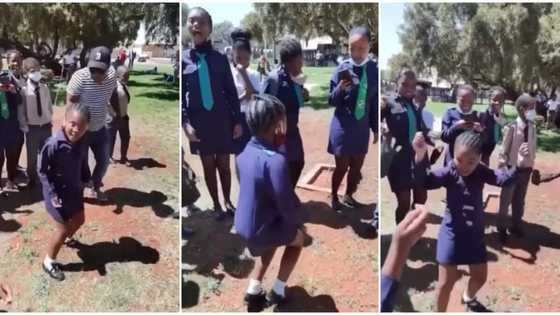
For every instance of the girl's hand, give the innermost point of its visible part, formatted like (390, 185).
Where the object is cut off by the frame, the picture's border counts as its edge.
(5, 294)
(419, 144)
(8, 88)
(478, 127)
(463, 124)
(410, 230)
(56, 202)
(343, 84)
(237, 131)
(190, 132)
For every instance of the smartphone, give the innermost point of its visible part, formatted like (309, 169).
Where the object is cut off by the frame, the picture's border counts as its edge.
(5, 77)
(346, 75)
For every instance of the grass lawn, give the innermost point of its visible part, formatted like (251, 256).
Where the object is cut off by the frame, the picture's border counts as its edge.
(319, 80)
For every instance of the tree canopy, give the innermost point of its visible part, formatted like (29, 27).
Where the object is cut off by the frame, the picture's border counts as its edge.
(39, 30)
(511, 45)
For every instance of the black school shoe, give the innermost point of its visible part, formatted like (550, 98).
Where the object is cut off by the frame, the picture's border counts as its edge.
(335, 204)
(255, 302)
(55, 272)
(351, 202)
(474, 306)
(219, 215)
(502, 236)
(273, 298)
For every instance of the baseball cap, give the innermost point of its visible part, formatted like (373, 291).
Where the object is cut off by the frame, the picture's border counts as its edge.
(100, 57)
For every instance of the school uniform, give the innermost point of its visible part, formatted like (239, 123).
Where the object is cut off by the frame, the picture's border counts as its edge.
(268, 212)
(403, 121)
(450, 131)
(119, 122)
(461, 235)
(389, 290)
(491, 135)
(515, 134)
(61, 170)
(36, 120)
(280, 84)
(350, 126)
(240, 143)
(210, 101)
(11, 137)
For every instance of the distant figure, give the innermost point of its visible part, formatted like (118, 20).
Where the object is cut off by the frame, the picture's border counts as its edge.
(122, 56)
(131, 58)
(263, 67)
(69, 64)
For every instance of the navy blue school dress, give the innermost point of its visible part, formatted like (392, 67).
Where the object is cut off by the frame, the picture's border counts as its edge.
(403, 121)
(61, 171)
(268, 211)
(213, 125)
(389, 290)
(280, 84)
(350, 126)
(10, 134)
(461, 235)
(450, 132)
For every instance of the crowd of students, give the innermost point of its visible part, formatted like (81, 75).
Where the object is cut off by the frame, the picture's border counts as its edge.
(57, 163)
(259, 121)
(471, 138)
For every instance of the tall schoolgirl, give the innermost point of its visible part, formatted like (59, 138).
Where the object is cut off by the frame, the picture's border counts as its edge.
(403, 120)
(247, 81)
(211, 113)
(353, 92)
(286, 84)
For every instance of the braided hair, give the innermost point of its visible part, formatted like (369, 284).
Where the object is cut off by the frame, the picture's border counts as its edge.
(264, 110)
(241, 39)
(471, 140)
(79, 108)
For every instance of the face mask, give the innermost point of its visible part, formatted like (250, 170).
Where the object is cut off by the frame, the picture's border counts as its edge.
(530, 115)
(300, 79)
(35, 76)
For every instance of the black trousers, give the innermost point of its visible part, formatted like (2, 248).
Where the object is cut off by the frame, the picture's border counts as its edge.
(121, 126)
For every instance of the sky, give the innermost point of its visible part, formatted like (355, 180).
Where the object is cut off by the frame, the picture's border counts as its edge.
(391, 15)
(225, 11)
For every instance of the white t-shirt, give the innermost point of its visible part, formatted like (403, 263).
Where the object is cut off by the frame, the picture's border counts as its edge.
(95, 96)
(240, 83)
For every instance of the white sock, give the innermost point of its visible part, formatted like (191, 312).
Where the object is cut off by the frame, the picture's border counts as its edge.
(255, 287)
(278, 287)
(48, 262)
(468, 299)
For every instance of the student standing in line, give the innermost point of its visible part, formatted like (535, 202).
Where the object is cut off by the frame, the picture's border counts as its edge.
(353, 93)
(211, 113)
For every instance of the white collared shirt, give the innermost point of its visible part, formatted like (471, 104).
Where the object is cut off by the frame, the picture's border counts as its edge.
(29, 103)
(240, 83)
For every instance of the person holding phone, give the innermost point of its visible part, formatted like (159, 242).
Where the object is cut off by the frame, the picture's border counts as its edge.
(460, 118)
(11, 136)
(353, 92)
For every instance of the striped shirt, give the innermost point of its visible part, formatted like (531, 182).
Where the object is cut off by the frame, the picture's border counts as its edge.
(95, 96)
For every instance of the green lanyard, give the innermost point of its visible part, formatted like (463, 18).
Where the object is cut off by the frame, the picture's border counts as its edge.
(299, 94)
(360, 108)
(4, 109)
(412, 128)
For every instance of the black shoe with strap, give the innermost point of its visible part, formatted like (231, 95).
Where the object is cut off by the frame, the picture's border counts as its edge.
(273, 298)
(517, 231)
(474, 306)
(351, 202)
(255, 302)
(54, 272)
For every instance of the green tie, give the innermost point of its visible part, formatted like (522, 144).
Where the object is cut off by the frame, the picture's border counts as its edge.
(204, 82)
(497, 133)
(299, 94)
(4, 109)
(360, 109)
(411, 122)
